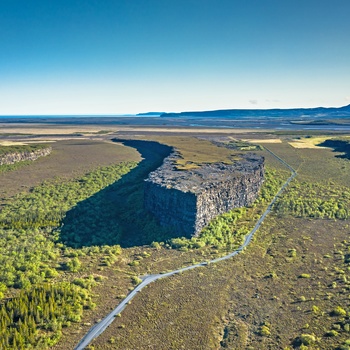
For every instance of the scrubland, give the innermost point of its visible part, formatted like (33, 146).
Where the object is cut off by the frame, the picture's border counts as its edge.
(288, 290)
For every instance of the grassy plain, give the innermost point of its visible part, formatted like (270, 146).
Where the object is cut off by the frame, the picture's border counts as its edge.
(289, 282)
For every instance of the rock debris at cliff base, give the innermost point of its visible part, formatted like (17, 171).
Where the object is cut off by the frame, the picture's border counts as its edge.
(188, 200)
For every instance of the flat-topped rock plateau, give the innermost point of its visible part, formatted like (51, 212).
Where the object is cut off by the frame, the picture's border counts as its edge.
(188, 199)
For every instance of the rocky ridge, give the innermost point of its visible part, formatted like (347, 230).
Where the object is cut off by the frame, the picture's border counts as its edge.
(14, 157)
(188, 200)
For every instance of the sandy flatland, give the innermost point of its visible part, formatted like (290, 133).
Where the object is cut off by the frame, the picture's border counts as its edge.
(263, 140)
(308, 143)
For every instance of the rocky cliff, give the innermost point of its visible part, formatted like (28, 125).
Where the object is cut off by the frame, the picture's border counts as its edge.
(14, 157)
(188, 200)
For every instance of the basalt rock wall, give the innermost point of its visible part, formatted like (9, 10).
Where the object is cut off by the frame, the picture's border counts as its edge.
(188, 200)
(11, 158)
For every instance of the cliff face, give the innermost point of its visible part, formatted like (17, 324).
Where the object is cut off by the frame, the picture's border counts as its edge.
(188, 200)
(11, 158)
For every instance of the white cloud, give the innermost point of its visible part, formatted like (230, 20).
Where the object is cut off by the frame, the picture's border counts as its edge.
(253, 102)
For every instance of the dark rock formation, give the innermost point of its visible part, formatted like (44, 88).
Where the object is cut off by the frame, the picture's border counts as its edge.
(188, 200)
(14, 157)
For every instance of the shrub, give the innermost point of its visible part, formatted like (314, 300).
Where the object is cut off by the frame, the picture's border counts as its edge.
(345, 345)
(304, 275)
(307, 339)
(264, 331)
(292, 253)
(338, 311)
(136, 280)
(73, 265)
(315, 309)
(156, 245)
(50, 273)
(331, 333)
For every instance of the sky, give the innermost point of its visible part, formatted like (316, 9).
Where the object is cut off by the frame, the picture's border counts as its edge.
(130, 56)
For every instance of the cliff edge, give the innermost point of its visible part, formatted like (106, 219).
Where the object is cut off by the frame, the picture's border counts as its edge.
(188, 200)
(14, 157)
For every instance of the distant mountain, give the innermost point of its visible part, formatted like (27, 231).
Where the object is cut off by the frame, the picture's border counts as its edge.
(320, 112)
(151, 113)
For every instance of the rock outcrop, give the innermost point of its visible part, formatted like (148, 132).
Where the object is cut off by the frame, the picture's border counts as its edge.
(188, 200)
(14, 157)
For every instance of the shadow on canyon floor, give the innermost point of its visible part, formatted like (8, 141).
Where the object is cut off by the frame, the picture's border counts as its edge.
(116, 214)
(342, 146)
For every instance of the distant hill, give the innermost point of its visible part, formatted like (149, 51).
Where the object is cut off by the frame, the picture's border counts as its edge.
(151, 113)
(321, 112)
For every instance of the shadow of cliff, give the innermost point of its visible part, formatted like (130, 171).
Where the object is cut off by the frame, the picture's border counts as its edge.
(116, 214)
(338, 146)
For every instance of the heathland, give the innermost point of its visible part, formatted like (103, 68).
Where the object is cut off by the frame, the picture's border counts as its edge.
(75, 239)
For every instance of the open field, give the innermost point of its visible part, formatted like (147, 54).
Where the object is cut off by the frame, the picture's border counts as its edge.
(219, 305)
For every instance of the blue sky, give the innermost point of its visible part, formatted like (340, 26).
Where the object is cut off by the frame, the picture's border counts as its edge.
(127, 56)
